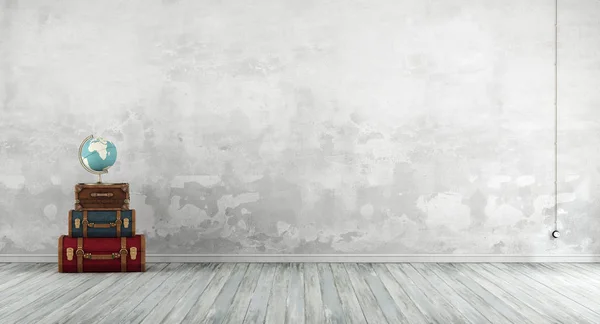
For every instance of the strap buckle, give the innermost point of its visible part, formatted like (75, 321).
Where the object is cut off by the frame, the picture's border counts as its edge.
(80, 252)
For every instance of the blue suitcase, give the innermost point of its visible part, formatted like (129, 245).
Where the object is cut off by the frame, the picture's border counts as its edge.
(102, 223)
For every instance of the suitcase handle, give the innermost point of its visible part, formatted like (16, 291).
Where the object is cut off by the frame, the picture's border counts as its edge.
(122, 254)
(106, 225)
(101, 194)
(109, 225)
(111, 256)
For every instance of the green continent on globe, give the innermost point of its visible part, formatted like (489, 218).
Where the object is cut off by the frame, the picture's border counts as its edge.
(99, 154)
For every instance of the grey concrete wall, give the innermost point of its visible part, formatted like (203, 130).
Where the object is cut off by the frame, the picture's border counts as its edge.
(283, 126)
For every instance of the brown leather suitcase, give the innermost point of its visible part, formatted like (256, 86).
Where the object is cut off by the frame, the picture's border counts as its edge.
(102, 196)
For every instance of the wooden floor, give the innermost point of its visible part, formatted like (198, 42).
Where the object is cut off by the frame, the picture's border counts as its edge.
(304, 293)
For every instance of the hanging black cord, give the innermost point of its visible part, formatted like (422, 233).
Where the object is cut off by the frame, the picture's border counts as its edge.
(556, 233)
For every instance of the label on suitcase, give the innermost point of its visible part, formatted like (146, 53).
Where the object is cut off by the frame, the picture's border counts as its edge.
(125, 254)
(102, 196)
(102, 223)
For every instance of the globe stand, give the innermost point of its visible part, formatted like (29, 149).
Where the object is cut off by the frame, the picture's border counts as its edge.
(88, 169)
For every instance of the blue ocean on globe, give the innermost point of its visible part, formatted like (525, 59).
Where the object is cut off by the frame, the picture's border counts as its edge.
(99, 154)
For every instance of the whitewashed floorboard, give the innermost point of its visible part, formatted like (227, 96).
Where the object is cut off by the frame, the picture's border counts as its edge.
(257, 309)
(568, 288)
(276, 308)
(18, 278)
(523, 294)
(198, 304)
(575, 309)
(589, 288)
(313, 300)
(222, 303)
(67, 298)
(575, 270)
(243, 296)
(339, 299)
(20, 307)
(403, 301)
(428, 301)
(295, 298)
(385, 301)
(90, 311)
(127, 305)
(152, 299)
(431, 292)
(304, 293)
(33, 289)
(462, 305)
(511, 314)
(8, 267)
(371, 309)
(166, 304)
(501, 296)
(211, 278)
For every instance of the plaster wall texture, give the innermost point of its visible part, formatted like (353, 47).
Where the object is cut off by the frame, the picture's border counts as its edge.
(354, 126)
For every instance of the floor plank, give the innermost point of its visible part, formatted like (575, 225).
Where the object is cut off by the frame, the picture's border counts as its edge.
(576, 310)
(521, 293)
(500, 295)
(304, 293)
(339, 299)
(90, 311)
(201, 305)
(427, 300)
(575, 270)
(32, 289)
(276, 308)
(511, 314)
(243, 296)
(587, 286)
(17, 308)
(369, 305)
(568, 288)
(295, 300)
(151, 300)
(222, 303)
(462, 305)
(127, 305)
(313, 299)
(188, 279)
(68, 298)
(479, 303)
(385, 301)
(403, 301)
(211, 278)
(18, 278)
(260, 299)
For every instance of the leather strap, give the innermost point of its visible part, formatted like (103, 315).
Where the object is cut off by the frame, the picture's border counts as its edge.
(85, 223)
(79, 254)
(118, 223)
(123, 254)
(60, 253)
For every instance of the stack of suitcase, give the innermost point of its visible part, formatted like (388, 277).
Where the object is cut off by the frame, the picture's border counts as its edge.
(102, 234)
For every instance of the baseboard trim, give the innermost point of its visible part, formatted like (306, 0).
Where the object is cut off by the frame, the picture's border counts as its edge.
(360, 258)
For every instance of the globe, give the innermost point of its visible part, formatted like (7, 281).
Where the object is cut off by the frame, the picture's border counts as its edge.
(97, 155)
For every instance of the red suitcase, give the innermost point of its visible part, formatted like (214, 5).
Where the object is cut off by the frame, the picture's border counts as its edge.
(111, 254)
